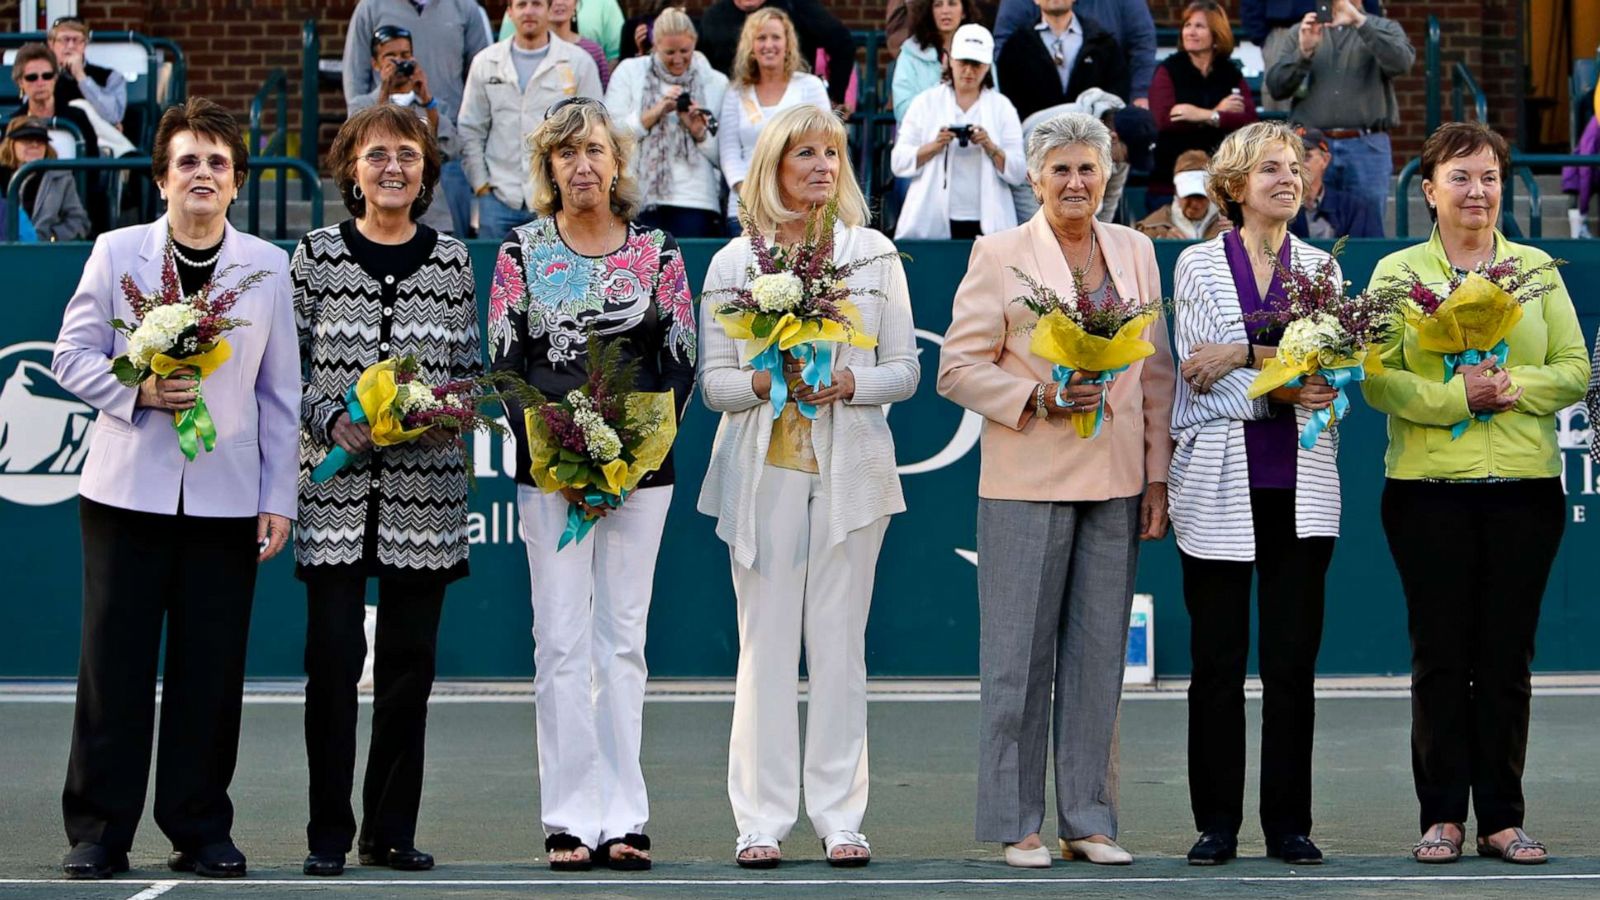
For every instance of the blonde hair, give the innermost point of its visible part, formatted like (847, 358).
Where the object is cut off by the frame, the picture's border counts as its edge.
(673, 21)
(1239, 155)
(762, 195)
(745, 68)
(571, 124)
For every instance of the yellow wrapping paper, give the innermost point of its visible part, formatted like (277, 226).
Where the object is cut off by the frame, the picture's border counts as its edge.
(376, 391)
(790, 331)
(1476, 316)
(1282, 368)
(1060, 340)
(204, 363)
(618, 475)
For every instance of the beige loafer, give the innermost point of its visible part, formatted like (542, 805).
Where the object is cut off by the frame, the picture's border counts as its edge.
(1100, 854)
(1037, 858)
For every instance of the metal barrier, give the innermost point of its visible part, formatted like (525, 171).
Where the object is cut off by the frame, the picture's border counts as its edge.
(277, 88)
(311, 116)
(1462, 83)
(1522, 165)
(142, 164)
(1433, 76)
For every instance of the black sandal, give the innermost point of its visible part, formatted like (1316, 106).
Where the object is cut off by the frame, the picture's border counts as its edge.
(566, 841)
(632, 841)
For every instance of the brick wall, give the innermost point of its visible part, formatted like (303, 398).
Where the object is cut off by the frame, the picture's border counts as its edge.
(233, 45)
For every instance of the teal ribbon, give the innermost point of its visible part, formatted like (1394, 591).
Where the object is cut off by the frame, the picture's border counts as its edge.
(1471, 358)
(1323, 419)
(337, 458)
(579, 523)
(1063, 374)
(816, 360)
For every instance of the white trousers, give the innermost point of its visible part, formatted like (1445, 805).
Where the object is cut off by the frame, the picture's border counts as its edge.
(591, 601)
(801, 586)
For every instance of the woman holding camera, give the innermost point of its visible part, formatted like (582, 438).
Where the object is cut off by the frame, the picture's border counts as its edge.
(962, 142)
(663, 101)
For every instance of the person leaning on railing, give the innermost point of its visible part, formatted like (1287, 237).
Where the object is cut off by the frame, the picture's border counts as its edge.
(51, 210)
(1473, 505)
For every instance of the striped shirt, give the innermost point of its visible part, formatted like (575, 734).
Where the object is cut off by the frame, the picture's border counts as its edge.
(1209, 484)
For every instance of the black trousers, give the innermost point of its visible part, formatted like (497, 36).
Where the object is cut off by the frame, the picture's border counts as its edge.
(336, 647)
(1289, 575)
(199, 574)
(1473, 560)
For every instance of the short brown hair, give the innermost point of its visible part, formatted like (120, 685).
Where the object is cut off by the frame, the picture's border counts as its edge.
(206, 119)
(1454, 140)
(1216, 20)
(28, 53)
(385, 118)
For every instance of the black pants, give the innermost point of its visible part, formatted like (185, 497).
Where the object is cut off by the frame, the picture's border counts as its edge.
(199, 574)
(1473, 560)
(965, 230)
(683, 222)
(1289, 584)
(336, 647)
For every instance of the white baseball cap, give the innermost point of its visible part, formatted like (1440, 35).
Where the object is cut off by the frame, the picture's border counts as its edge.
(973, 43)
(1191, 183)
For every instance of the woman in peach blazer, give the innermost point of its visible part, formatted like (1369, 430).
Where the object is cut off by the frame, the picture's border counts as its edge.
(1060, 517)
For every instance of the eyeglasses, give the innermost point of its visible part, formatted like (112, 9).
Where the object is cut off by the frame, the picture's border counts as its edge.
(379, 159)
(386, 33)
(577, 101)
(217, 163)
(31, 77)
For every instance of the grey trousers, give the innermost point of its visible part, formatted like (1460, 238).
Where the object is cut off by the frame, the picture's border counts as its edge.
(1055, 587)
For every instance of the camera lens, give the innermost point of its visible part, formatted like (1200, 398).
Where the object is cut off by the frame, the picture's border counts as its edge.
(684, 100)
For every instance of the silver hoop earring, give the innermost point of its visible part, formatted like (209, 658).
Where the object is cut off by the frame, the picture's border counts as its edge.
(356, 192)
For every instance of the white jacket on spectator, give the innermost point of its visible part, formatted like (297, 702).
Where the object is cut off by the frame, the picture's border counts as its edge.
(696, 182)
(496, 116)
(742, 119)
(926, 213)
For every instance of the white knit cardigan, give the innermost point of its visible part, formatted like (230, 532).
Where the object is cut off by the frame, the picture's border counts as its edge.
(860, 479)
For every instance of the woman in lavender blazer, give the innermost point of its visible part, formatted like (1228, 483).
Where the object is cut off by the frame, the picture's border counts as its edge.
(166, 537)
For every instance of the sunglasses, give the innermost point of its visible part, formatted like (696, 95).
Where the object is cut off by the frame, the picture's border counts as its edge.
(577, 101)
(31, 77)
(217, 163)
(386, 33)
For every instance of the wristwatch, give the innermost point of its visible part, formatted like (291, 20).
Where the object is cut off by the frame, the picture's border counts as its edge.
(1039, 408)
(1249, 355)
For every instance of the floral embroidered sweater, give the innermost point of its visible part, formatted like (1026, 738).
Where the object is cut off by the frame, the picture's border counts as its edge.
(547, 298)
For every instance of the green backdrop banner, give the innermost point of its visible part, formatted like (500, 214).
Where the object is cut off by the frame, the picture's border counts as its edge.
(924, 615)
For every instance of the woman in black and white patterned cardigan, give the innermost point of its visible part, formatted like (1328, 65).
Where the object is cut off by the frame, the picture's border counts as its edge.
(369, 289)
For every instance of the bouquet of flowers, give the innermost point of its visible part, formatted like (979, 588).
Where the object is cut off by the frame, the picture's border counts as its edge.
(1324, 333)
(601, 438)
(1469, 322)
(400, 408)
(1078, 335)
(796, 303)
(176, 332)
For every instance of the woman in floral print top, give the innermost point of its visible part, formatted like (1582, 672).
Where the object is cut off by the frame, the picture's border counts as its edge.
(584, 268)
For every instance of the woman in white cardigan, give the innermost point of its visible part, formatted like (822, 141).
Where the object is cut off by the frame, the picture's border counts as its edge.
(803, 505)
(961, 188)
(769, 76)
(676, 165)
(1249, 503)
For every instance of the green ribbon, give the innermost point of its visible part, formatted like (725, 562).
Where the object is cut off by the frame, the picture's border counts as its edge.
(194, 426)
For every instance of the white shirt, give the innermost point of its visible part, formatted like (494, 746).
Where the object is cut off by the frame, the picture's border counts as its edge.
(966, 176)
(929, 202)
(743, 117)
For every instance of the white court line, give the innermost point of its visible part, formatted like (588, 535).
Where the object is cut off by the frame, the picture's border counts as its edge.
(154, 890)
(816, 882)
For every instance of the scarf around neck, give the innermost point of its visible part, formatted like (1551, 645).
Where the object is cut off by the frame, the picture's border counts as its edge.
(669, 142)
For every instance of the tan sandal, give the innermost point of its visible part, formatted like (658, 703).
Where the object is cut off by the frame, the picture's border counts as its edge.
(1513, 847)
(1427, 843)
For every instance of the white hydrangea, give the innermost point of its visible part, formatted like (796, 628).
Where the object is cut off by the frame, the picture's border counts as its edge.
(413, 398)
(777, 292)
(602, 440)
(1305, 338)
(159, 332)
(577, 399)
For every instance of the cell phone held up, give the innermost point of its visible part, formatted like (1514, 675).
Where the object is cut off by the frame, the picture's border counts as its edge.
(1324, 11)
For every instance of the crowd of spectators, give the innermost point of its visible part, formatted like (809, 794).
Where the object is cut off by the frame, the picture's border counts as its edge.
(695, 95)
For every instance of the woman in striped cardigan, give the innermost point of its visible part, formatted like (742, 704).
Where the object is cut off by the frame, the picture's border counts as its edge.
(1247, 499)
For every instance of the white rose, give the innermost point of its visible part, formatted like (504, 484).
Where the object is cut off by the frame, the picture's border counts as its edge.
(777, 292)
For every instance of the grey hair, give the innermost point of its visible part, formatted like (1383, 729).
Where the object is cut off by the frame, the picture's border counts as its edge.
(1063, 131)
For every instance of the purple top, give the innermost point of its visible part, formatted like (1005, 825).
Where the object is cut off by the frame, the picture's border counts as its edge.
(1269, 444)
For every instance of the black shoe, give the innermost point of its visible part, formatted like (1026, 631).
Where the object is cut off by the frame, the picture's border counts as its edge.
(562, 840)
(324, 865)
(603, 855)
(86, 860)
(219, 860)
(1295, 849)
(1213, 849)
(404, 859)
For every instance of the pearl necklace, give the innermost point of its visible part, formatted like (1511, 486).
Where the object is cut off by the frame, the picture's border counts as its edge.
(193, 264)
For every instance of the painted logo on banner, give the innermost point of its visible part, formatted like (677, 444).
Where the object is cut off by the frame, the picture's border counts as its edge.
(44, 429)
(1578, 471)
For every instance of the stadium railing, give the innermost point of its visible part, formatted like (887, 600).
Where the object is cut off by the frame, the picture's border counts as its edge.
(145, 97)
(1522, 166)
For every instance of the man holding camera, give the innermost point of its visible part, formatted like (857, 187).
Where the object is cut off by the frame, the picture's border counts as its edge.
(403, 82)
(1340, 78)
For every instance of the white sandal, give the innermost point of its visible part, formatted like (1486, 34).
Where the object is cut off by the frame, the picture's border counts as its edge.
(846, 839)
(752, 840)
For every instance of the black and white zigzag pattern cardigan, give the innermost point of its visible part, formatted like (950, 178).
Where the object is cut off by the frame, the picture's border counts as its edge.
(419, 494)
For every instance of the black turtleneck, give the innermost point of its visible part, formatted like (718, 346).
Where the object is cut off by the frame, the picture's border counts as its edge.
(193, 278)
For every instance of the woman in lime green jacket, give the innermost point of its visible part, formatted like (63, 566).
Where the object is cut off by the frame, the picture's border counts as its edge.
(1474, 516)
